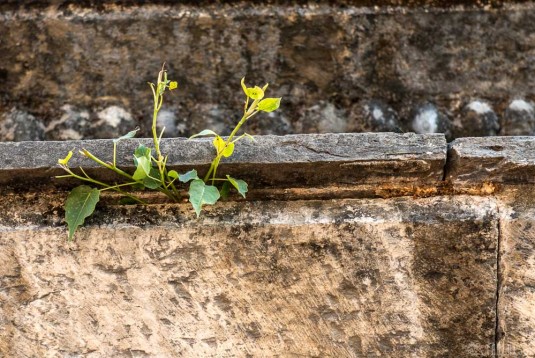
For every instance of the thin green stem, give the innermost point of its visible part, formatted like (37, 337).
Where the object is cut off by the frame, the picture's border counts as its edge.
(248, 114)
(106, 165)
(114, 154)
(215, 168)
(106, 186)
(154, 133)
(118, 186)
(209, 171)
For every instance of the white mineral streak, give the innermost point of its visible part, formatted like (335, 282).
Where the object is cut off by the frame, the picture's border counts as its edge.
(378, 115)
(521, 105)
(113, 115)
(69, 113)
(479, 107)
(167, 119)
(426, 121)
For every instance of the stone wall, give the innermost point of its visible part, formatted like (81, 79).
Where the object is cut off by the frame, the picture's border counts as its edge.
(410, 248)
(78, 70)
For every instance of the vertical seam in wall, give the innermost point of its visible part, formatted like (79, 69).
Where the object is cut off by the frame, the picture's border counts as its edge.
(447, 161)
(497, 333)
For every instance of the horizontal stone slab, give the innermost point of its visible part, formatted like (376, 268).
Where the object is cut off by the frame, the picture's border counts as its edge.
(338, 278)
(269, 161)
(491, 159)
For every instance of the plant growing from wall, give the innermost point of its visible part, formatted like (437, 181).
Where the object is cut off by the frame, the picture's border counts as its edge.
(151, 171)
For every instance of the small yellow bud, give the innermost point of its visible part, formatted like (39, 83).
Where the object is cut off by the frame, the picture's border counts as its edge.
(65, 160)
(173, 85)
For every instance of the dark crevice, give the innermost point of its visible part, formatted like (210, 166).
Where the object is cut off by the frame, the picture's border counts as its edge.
(447, 161)
(497, 330)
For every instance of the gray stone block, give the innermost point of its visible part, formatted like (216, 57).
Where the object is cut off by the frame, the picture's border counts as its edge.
(280, 161)
(491, 159)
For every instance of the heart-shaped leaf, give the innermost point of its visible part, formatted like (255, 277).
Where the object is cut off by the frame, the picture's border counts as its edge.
(240, 185)
(143, 168)
(186, 177)
(200, 194)
(80, 204)
(229, 149)
(152, 181)
(219, 144)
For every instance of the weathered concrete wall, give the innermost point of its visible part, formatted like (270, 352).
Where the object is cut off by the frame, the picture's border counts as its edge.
(79, 70)
(434, 268)
(348, 278)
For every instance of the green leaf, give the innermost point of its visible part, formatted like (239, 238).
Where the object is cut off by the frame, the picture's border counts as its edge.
(80, 204)
(269, 104)
(128, 135)
(161, 88)
(200, 193)
(225, 189)
(142, 151)
(172, 174)
(153, 180)
(203, 133)
(186, 177)
(142, 160)
(229, 149)
(240, 185)
(143, 168)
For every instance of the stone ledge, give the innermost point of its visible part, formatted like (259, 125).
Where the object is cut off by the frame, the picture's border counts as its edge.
(491, 159)
(271, 161)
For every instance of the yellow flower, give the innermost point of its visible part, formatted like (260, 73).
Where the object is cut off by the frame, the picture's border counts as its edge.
(173, 85)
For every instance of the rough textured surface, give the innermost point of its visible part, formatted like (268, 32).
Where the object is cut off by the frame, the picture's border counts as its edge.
(498, 159)
(478, 119)
(519, 118)
(516, 308)
(68, 61)
(288, 161)
(446, 275)
(352, 278)
(427, 119)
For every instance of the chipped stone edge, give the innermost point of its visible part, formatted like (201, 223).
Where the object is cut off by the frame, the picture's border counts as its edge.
(477, 160)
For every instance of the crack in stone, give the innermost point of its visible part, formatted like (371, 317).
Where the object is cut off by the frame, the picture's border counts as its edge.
(499, 279)
(326, 152)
